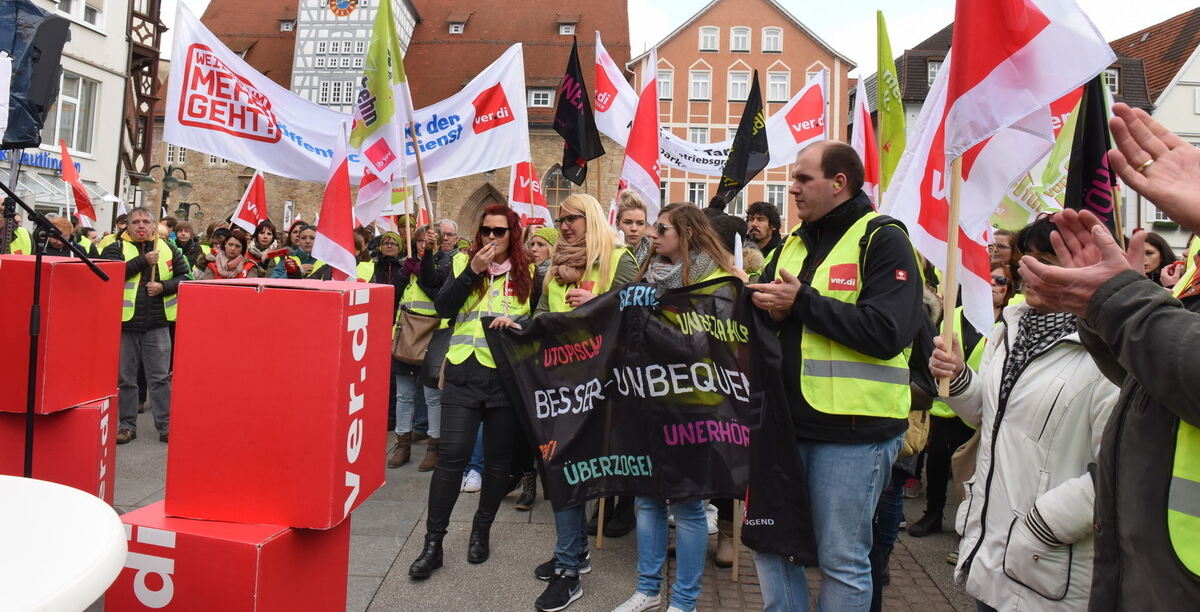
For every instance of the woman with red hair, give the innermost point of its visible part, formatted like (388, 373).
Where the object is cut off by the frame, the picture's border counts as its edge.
(494, 279)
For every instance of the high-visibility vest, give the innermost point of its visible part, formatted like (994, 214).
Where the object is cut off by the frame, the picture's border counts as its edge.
(836, 379)
(85, 245)
(21, 243)
(974, 358)
(105, 241)
(1183, 498)
(316, 265)
(415, 299)
(364, 271)
(467, 339)
(1189, 268)
(165, 272)
(556, 298)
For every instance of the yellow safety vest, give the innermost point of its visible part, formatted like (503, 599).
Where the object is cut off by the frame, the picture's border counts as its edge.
(316, 265)
(834, 378)
(415, 299)
(556, 298)
(467, 338)
(1189, 268)
(85, 245)
(1183, 498)
(940, 409)
(165, 272)
(21, 243)
(105, 241)
(364, 271)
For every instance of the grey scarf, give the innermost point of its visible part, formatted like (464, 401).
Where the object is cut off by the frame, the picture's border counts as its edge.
(1036, 331)
(642, 250)
(667, 275)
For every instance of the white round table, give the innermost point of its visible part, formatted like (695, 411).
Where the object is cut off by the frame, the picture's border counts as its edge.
(60, 548)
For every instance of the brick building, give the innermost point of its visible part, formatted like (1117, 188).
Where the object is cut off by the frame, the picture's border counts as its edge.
(704, 71)
(456, 39)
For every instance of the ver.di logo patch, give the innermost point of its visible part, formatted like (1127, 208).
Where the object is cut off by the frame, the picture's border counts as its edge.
(843, 277)
(491, 109)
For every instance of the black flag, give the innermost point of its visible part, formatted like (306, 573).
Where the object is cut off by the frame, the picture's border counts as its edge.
(573, 120)
(1090, 181)
(749, 153)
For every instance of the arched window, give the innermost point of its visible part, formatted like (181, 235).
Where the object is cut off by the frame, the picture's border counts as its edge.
(556, 187)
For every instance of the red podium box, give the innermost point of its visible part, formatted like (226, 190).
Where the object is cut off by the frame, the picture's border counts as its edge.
(290, 427)
(182, 564)
(76, 447)
(80, 341)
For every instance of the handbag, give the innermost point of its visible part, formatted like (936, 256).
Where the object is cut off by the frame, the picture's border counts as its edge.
(413, 332)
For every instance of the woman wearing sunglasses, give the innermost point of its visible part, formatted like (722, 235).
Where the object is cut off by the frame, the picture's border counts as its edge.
(495, 279)
(687, 251)
(586, 262)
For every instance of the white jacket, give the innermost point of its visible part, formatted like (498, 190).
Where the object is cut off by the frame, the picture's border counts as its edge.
(1033, 453)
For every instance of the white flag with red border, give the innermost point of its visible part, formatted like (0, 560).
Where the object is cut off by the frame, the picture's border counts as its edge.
(641, 170)
(525, 196)
(863, 141)
(334, 243)
(252, 210)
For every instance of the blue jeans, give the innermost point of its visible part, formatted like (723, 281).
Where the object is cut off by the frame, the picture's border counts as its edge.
(844, 482)
(408, 388)
(570, 527)
(691, 548)
(476, 462)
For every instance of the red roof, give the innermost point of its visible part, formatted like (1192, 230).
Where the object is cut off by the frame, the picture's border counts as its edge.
(253, 28)
(1163, 48)
(439, 64)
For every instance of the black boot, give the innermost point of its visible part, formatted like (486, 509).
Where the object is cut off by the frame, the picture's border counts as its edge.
(623, 519)
(930, 523)
(528, 491)
(430, 559)
(478, 547)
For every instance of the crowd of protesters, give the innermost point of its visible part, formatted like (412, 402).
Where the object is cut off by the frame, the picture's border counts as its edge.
(1088, 359)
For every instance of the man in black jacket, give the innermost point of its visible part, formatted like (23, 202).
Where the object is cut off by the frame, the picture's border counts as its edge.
(764, 225)
(153, 269)
(846, 292)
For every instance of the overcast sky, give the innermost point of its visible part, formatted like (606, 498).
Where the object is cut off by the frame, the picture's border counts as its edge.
(848, 25)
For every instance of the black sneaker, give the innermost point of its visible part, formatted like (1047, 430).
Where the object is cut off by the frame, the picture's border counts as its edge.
(547, 571)
(559, 593)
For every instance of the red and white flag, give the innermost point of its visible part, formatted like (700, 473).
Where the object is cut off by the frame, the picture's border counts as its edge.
(252, 210)
(335, 235)
(525, 196)
(863, 141)
(83, 201)
(640, 170)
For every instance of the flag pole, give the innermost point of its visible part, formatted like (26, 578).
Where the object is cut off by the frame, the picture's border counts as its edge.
(950, 294)
(1118, 204)
(412, 136)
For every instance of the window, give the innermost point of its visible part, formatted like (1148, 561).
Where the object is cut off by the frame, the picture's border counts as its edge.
(358, 62)
(698, 135)
(772, 40)
(737, 207)
(319, 62)
(665, 84)
(739, 86)
(171, 149)
(700, 85)
(323, 96)
(739, 40)
(360, 47)
(697, 193)
(348, 92)
(931, 70)
(456, 28)
(566, 29)
(662, 191)
(322, 47)
(286, 25)
(776, 194)
(778, 87)
(345, 61)
(72, 117)
(1157, 215)
(812, 74)
(708, 38)
(1112, 78)
(557, 188)
(541, 97)
(87, 11)
(214, 160)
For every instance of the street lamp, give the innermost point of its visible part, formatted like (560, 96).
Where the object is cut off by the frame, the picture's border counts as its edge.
(171, 183)
(185, 211)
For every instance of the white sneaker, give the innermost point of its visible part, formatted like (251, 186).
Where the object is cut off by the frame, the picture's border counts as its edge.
(674, 609)
(640, 602)
(710, 513)
(471, 482)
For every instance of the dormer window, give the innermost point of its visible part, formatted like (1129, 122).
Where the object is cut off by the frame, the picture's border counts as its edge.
(457, 28)
(287, 25)
(566, 24)
(458, 22)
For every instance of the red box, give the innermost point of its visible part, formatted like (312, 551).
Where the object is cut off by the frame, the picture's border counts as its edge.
(283, 421)
(80, 341)
(76, 447)
(183, 564)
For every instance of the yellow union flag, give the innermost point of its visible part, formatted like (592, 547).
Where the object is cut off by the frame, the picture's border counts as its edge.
(890, 108)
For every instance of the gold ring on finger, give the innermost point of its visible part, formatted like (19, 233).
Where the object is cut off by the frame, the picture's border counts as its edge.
(1145, 164)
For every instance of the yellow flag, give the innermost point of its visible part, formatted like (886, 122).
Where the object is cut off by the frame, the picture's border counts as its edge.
(890, 108)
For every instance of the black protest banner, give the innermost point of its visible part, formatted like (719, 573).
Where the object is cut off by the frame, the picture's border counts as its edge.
(665, 394)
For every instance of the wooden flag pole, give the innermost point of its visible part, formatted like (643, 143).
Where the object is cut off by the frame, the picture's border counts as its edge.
(600, 524)
(1118, 204)
(412, 137)
(408, 233)
(950, 295)
(737, 539)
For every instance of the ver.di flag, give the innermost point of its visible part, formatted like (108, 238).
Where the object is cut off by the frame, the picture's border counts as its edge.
(335, 232)
(525, 196)
(749, 153)
(382, 108)
(574, 121)
(863, 141)
(217, 104)
(79, 193)
(252, 209)
(640, 171)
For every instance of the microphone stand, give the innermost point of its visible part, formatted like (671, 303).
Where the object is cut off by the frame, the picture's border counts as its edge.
(35, 311)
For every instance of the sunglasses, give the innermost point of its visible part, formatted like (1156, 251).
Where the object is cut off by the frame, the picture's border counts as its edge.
(567, 219)
(662, 228)
(498, 232)
(1000, 281)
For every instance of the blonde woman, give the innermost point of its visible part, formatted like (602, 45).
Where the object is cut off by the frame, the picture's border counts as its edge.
(587, 262)
(631, 220)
